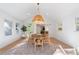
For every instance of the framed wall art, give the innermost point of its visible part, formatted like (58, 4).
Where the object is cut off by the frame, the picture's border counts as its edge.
(59, 25)
(7, 27)
(17, 28)
(77, 23)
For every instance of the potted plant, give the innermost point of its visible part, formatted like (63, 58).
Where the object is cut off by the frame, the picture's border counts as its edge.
(43, 30)
(24, 29)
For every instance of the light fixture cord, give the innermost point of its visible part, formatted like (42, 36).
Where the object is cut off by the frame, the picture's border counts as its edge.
(38, 9)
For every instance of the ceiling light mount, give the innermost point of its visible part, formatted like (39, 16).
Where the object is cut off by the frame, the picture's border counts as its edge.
(38, 3)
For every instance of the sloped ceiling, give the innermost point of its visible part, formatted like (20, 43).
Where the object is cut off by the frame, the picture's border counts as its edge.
(20, 11)
(23, 11)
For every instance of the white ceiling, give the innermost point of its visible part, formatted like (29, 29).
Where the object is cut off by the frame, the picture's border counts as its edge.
(23, 11)
(19, 10)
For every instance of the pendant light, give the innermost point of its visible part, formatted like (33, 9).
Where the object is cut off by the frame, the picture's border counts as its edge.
(38, 19)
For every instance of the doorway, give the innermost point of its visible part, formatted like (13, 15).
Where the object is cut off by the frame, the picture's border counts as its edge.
(39, 27)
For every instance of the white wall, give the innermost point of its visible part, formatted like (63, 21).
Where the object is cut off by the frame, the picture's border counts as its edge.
(5, 40)
(65, 13)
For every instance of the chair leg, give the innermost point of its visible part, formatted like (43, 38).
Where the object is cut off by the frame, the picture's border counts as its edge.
(35, 47)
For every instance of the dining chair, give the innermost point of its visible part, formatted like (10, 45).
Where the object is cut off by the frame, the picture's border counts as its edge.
(38, 42)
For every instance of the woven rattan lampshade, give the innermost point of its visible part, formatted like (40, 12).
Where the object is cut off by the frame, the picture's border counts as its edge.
(38, 19)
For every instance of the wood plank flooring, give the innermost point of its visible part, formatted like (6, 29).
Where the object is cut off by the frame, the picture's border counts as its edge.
(53, 41)
(58, 42)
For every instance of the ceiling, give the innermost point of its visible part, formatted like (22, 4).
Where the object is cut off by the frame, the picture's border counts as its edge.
(24, 11)
(20, 11)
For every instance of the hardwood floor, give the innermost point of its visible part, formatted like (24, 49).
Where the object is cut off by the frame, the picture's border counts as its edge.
(58, 42)
(11, 45)
(53, 41)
